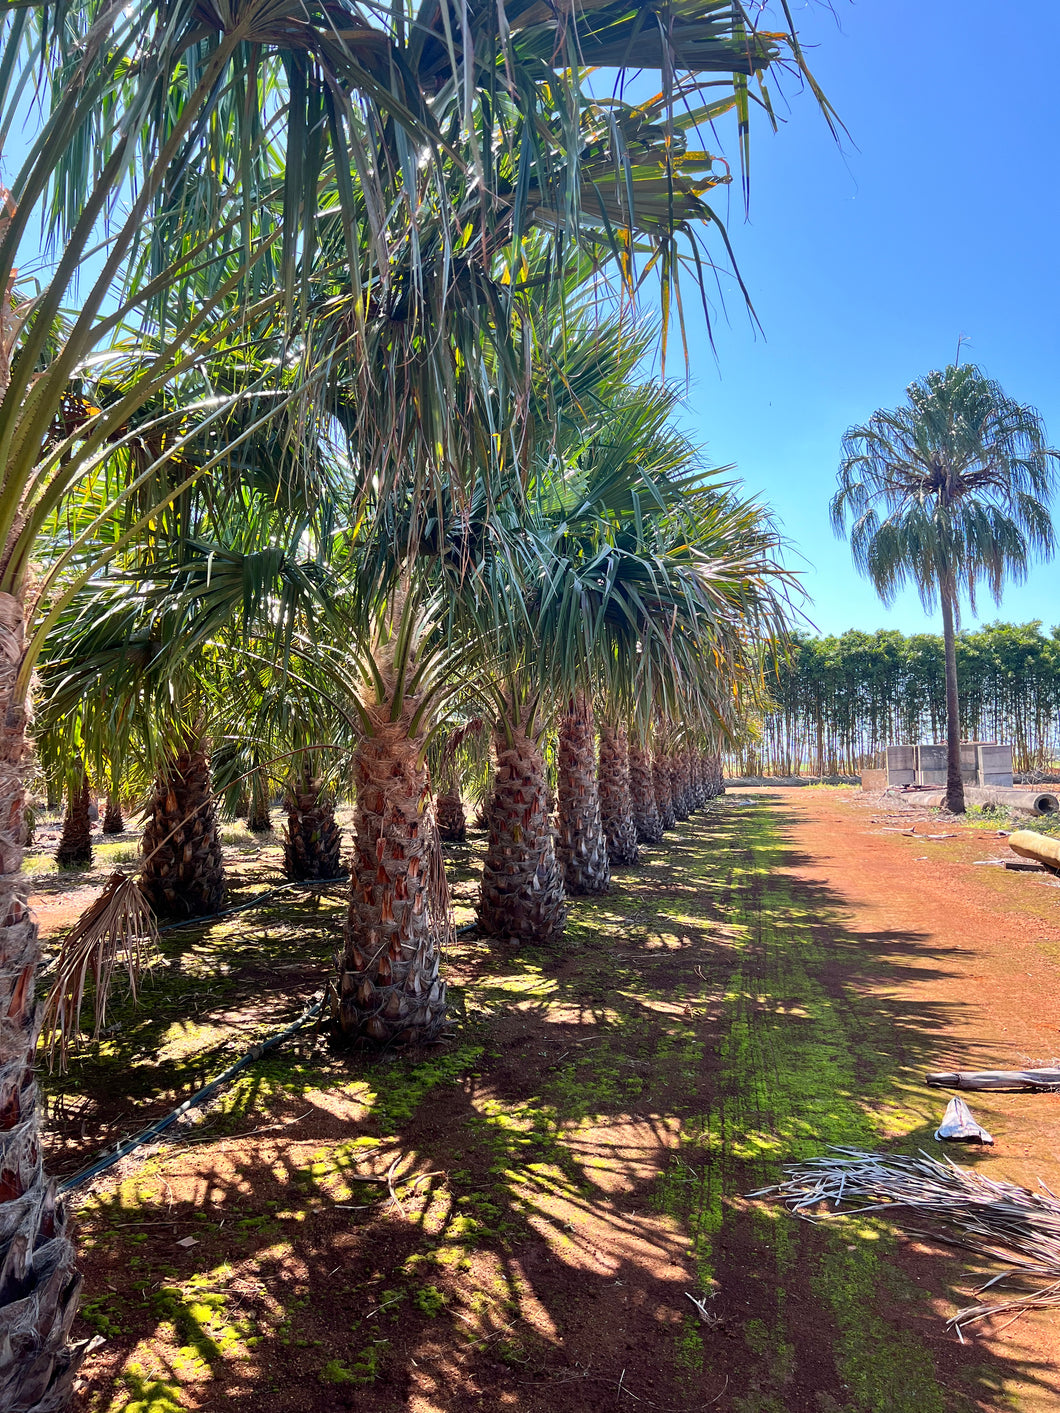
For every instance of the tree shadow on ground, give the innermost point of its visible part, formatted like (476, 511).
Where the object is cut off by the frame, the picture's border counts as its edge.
(519, 1218)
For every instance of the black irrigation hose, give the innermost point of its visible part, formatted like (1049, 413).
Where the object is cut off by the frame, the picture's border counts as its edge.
(115, 1155)
(253, 902)
(107, 1160)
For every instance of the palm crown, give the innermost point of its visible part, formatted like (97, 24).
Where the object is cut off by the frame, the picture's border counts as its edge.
(948, 491)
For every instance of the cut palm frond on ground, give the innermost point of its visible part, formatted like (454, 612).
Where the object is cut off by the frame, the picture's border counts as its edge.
(1015, 1228)
(119, 927)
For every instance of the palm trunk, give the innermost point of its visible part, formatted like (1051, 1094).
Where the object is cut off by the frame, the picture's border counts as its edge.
(38, 1283)
(112, 820)
(702, 781)
(522, 898)
(312, 841)
(664, 799)
(677, 786)
(75, 843)
(452, 818)
(616, 805)
(642, 797)
(258, 818)
(954, 782)
(183, 872)
(582, 848)
(717, 774)
(389, 987)
(242, 808)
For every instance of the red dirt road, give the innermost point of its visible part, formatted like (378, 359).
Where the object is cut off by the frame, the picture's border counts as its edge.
(991, 968)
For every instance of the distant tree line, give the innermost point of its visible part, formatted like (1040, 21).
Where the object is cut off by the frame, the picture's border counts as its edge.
(836, 702)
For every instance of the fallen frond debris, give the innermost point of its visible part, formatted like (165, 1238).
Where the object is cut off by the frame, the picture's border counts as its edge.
(1004, 1224)
(117, 929)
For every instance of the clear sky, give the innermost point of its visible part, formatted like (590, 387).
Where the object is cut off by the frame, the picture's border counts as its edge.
(937, 218)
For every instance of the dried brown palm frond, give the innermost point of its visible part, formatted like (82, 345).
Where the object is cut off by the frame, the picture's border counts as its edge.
(1009, 1226)
(118, 929)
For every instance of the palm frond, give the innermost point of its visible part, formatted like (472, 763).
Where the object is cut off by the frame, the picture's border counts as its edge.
(117, 929)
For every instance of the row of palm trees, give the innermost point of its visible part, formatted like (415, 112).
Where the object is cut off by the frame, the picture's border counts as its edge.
(627, 575)
(268, 399)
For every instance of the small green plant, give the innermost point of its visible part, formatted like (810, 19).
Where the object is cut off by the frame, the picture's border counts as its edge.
(366, 1367)
(430, 1300)
(336, 1372)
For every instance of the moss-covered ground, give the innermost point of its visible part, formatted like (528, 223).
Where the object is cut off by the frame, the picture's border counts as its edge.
(548, 1211)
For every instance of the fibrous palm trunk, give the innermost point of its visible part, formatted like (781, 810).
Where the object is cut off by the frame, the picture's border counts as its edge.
(660, 773)
(183, 872)
(616, 805)
(954, 780)
(38, 1283)
(522, 898)
(75, 843)
(258, 818)
(389, 988)
(642, 796)
(452, 817)
(112, 820)
(715, 779)
(582, 847)
(312, 840)
(677, 785)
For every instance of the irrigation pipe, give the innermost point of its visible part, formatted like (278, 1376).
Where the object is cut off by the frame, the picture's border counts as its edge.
(252, 902)
(108, 1159)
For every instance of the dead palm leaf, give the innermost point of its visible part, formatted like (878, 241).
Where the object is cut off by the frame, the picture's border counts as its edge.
(118, 929)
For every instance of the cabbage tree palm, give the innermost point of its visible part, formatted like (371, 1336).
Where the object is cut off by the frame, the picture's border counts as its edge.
(948, 492)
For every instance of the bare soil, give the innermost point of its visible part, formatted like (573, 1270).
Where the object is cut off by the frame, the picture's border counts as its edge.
(518, 1218)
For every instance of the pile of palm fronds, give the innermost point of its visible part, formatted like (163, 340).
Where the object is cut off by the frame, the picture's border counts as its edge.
(1002, 1223)
(119, 927)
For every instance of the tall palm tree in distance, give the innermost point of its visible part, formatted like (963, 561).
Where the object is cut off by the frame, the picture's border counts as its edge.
(947, 492)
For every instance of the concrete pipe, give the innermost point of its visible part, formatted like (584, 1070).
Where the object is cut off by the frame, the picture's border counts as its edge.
(1023, 801)
(1039, 847)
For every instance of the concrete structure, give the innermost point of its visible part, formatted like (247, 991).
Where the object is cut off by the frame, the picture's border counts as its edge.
(995, 766)
(931, 765)
(901, 765)
(983, 764)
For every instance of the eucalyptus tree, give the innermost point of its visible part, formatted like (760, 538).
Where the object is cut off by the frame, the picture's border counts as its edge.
(949, 491)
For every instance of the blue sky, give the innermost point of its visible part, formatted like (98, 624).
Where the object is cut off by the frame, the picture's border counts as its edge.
(936, 218)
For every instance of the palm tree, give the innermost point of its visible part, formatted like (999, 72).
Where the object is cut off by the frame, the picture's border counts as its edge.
(616, 800)
(389, 987)
(582, 843)
(663, 782)
(259, 820)
(166, 131)
(75, 843)
(522, 897)
(182, 874)
(948, 491)
(312, 838)
(646, 817)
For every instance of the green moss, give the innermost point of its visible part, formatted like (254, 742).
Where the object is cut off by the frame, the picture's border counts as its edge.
(884, 1370)
(430, 1300)
(148, 1396)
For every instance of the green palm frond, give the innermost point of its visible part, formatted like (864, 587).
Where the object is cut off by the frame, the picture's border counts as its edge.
(952, 489)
